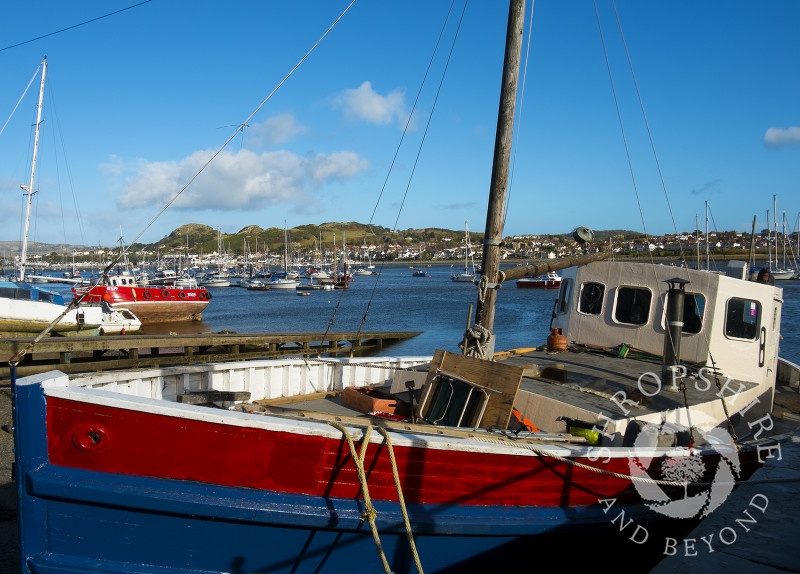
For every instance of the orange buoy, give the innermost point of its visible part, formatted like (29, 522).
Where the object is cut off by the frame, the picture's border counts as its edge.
(556, 342)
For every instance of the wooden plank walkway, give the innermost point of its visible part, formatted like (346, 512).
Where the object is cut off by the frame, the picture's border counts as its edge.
(82, 354)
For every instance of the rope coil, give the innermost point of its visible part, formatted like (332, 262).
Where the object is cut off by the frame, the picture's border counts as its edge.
(475, 342)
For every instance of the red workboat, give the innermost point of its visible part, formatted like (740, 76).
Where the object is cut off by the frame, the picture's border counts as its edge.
(151, 304)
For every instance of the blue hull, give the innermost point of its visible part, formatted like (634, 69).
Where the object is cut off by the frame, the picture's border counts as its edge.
(75, 520)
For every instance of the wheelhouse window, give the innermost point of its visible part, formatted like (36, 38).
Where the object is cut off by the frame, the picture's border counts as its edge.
(742, 318)
(633, 305)
(591, 301)
(694, 305)
(564, 295)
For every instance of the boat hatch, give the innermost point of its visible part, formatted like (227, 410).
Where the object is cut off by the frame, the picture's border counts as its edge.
(462, 391)
(453, 401)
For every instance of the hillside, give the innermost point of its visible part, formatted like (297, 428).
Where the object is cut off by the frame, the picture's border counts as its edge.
(202, 238)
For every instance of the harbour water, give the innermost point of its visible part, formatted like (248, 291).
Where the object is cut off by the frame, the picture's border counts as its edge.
(391, 301)
(397, 301)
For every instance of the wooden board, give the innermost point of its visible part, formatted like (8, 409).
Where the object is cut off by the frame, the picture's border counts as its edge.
(500, 377)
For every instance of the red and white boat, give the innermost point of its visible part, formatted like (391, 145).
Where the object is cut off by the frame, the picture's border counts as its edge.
(550, 281)
(151, 304)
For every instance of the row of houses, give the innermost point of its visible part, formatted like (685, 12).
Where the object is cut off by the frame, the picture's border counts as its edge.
(521, 246)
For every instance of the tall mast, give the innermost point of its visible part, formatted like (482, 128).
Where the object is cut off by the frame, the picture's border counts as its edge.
(775, 226)
(495, 216)
(769, 242)
(783, 238)
(29, 188)
(708, 262)
(697, 239)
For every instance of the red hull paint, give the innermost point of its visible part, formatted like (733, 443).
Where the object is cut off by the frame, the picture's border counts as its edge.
(538, 284)
(152, 304)
(160, 446)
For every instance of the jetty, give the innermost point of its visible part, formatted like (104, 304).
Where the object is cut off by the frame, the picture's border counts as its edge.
(84, 354)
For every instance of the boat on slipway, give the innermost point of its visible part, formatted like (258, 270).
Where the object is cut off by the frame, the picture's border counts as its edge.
(661, 403)
(119, 322)
(159, 304)
(27, 309)
(551, 280)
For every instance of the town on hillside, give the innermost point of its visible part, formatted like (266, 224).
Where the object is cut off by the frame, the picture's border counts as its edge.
(196, 245)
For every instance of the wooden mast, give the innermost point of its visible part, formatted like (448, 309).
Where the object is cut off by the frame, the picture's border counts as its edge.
(484, 311)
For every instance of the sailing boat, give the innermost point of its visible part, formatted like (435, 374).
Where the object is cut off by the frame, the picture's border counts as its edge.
(284, 282)
(469, 275)
(779, 273)
(28, 309)
(284, 465)
(369, 268)
(420, 272)
(221, 277)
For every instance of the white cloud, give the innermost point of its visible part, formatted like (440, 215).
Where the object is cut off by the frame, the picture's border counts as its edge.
(364, 103)
(274, 131)
(240, 180)
(779, 137)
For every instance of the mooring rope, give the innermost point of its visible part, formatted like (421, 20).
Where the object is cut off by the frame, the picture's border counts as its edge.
(369, 510)
(401, 499)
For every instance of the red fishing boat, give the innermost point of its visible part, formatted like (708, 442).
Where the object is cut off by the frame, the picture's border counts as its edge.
(151, 304)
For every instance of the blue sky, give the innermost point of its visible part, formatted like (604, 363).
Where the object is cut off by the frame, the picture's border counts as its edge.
(137, 101)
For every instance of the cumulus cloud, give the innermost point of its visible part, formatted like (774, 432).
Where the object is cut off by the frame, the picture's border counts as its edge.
(275, 131)
(779, 137)
(241, 180)
(365, 104)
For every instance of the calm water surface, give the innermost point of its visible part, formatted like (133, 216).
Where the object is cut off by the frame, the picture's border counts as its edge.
(396, 301)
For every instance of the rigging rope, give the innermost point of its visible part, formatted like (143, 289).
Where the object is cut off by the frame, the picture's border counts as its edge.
(25, 91)
(233, 135)
(660, 173)
(519, 117)
(402, 138)
(123, 251)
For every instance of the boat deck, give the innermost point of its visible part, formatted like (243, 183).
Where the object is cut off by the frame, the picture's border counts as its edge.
(593, 385)
(566, 385)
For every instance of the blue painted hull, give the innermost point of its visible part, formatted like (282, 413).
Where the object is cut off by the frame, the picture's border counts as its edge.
(76, 520)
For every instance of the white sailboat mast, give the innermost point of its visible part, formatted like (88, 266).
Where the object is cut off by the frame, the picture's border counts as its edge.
(29, 189)
(708, 257)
